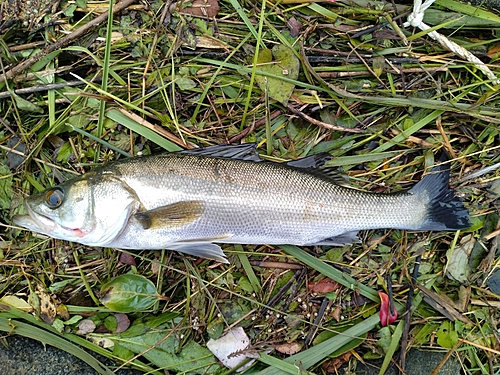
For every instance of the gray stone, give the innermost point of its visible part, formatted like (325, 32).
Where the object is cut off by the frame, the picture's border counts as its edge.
(24, 356)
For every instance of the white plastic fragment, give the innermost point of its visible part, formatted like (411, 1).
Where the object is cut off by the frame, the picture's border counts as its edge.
(226, 347)
(416, 18)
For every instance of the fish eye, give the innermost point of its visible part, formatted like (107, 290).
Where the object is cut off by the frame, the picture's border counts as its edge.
(54, 197)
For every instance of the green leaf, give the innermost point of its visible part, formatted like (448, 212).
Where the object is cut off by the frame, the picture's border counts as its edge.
(185, 83)
(5, 187)
(82, 4)
(355, 342)
(26, 105)
(127, 293)
(447, 336)
(286, 65)
(70, 10)
(162, 349)
(457, 267)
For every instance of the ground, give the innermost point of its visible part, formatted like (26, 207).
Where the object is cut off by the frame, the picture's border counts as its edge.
(80, 88)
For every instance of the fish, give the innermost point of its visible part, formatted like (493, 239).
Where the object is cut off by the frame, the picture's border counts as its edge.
(193, 200)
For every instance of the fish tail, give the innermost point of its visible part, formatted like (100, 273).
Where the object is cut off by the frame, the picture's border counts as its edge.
(445, 211)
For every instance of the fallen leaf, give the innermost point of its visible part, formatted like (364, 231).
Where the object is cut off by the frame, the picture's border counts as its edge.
(129, 292)
(325, 285)
(494, 52)
(201, 8)
(285, 64)
(294, 26)
(127, 259)
(229, 349)
(85, 326)
(48, 307)
(122, 323)
(447, 337)
(289, 348)
(332, 367)
(458, 267)
(16, 302)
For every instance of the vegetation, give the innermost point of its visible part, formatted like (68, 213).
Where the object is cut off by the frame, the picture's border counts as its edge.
(81, 87)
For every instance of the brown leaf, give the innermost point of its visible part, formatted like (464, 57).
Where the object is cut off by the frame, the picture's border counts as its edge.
(325, 285)
(289, 348)
(122, 323)
(48, 307)
(127, 259)
(294, 26)
(494, 52)
(202, 8)
(337, 313)
(332, 367)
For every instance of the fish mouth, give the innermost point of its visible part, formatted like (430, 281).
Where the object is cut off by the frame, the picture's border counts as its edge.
(40, 223)
(34, 221)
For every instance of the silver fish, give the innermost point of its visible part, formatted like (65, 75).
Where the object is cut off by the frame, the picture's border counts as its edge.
(190, 200)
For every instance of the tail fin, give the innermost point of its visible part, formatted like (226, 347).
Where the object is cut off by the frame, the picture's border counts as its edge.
(445, 210)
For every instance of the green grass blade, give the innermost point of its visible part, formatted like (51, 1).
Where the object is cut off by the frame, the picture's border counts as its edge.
(331, 272)
(237, 7)
(414, 128)
(396, 337)
(105, 76)
(101, 141)
(133, 125)
(319, 352)
(254, 280)
(470, 10)
(281, 365)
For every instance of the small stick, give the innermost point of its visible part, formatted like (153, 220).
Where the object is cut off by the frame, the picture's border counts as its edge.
(39, 160)
(321, 123)
(64, 41)
(50, 86)
(280, 265)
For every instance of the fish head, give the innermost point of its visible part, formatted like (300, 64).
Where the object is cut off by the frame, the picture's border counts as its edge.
(92, 210)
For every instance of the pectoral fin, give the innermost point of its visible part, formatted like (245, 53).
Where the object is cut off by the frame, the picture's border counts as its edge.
(173, 215)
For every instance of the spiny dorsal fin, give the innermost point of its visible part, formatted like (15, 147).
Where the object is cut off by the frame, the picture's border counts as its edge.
(245, 151)
(173, 215)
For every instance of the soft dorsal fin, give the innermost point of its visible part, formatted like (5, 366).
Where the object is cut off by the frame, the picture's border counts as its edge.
(314, 161)
(315, 165)
(331, 174)
(245, 151)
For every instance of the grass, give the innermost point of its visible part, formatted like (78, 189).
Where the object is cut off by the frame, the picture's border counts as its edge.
(382, 99)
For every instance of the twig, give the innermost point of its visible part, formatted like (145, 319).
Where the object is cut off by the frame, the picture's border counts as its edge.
(39, 160)
(64, 41)
(276, 265)
(50, 86)
(325, 305)
(321, 123)
(254, 126)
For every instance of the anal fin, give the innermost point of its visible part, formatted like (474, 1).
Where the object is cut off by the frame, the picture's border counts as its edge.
(206, 250)
(340, 240)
